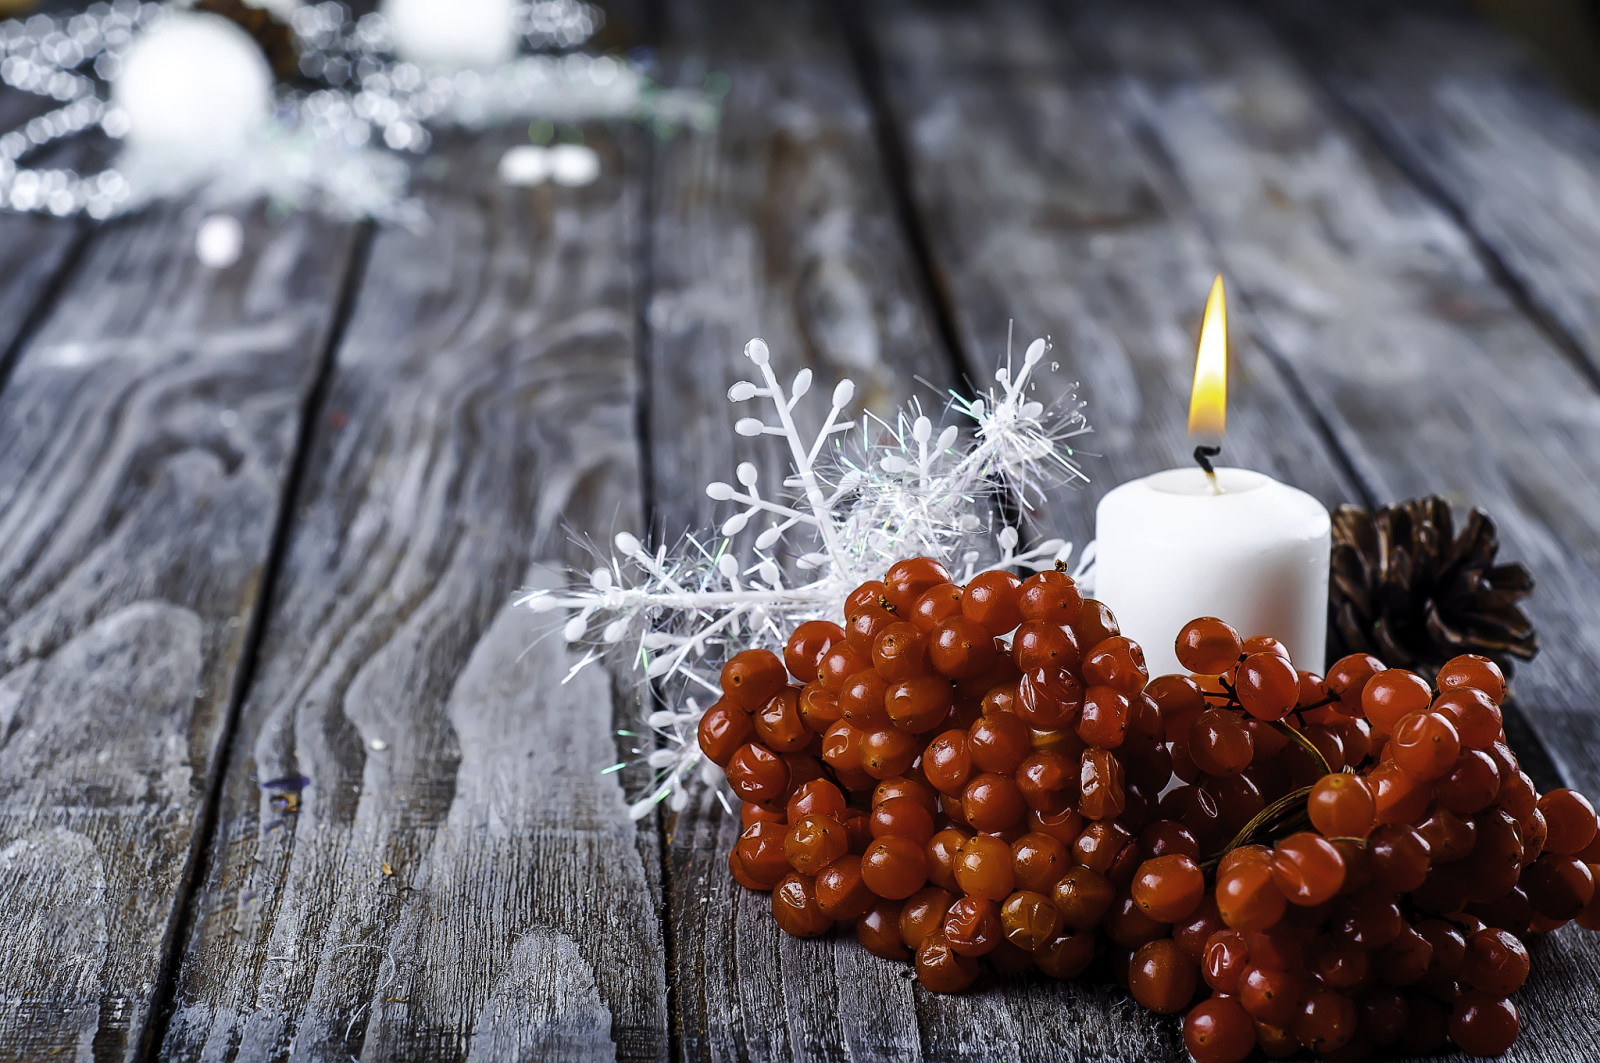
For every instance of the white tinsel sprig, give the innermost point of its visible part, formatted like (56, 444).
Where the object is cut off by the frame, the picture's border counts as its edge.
(860, 494)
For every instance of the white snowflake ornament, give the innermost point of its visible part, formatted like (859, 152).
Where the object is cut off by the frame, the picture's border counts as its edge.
(860, 495)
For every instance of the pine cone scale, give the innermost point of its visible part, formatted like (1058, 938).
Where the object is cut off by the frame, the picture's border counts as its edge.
(1407, 587)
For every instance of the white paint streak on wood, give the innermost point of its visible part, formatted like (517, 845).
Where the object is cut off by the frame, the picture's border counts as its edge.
(544, 1006)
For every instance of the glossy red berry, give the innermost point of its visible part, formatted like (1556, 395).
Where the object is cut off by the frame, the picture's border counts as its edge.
(1208, 646)
(751, 677)
(993, 600)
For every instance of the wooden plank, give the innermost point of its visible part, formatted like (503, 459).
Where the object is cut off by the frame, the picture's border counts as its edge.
(1466, 110)
(1042, 208)
(1424, 369)
(35, 255)
(417, 856)
(146, 437)
(779, 224)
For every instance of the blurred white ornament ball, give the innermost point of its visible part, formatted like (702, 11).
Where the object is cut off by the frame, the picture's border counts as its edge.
(574, 165)
(219, 241)
(524, 166)
(193, 85)
(453, 33)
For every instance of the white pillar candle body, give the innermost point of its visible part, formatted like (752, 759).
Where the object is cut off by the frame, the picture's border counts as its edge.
(1170, 548)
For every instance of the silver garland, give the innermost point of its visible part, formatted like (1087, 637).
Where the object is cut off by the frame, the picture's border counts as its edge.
(337, 143)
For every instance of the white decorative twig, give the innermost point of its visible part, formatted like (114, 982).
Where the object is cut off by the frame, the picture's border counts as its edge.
(843, 513)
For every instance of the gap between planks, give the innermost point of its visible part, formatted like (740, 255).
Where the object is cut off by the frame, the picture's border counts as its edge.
(1295, 26)
(896, 170)
(205, 830)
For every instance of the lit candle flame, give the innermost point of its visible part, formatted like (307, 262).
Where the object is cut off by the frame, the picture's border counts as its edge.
(1208, 402)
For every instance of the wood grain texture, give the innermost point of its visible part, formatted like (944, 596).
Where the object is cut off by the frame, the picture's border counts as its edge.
(1043, 207)
(417, 856)
(1471, 113)
(1427, 373)
(146, 435)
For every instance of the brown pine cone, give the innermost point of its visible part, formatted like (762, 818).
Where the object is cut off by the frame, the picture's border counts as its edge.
(274, 37)
(1407, 588)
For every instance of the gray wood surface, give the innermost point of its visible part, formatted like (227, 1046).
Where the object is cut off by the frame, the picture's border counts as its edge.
(1476, 119)
(406, 849)
(1043, 207)
(419, 857)
(146, 436)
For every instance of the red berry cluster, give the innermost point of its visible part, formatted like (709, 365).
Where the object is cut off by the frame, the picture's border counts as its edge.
(1412, 857)
(1345, 864)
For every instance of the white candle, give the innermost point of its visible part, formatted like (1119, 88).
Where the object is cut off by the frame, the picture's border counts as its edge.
(1170, 548)
(1237, 545)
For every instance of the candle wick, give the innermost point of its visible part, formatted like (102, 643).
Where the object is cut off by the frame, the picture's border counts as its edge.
(1203, 455)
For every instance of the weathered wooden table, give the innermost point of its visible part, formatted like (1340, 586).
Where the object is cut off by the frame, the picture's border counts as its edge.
(280, 776)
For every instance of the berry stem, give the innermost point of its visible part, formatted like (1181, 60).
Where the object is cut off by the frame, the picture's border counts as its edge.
(1328, 700)
(1305, 743)
(1294, 800)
